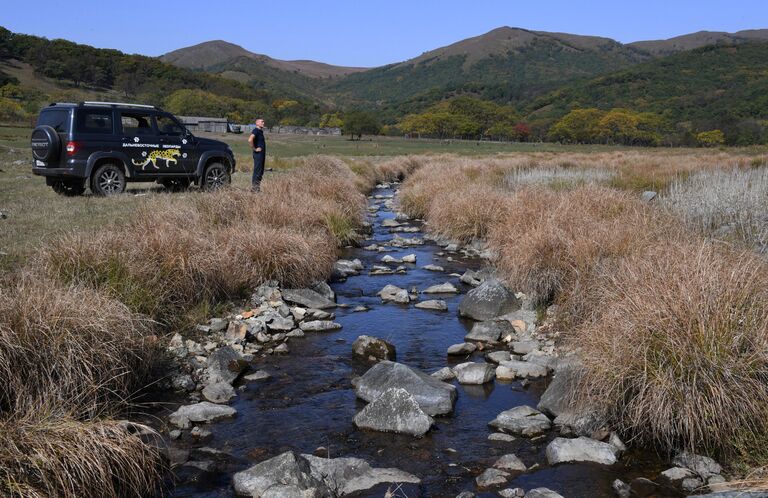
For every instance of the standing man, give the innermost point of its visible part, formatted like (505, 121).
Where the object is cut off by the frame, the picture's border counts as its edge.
(259, 148)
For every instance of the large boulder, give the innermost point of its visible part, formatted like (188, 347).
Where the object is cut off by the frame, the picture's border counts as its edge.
(308, 298)
(474, 373)
(394, 411)
(277, 476)
(225, 365)
(373, 348)
(490, 331)
(523, 421)
(199, 412)
(488, 300)
(346, 476)
(582, 449)
(702, 465)
(433, 396)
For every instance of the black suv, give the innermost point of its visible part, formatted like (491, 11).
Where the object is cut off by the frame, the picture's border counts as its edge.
(106, 144)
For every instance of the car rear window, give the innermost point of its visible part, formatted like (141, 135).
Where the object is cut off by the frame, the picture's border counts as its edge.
(94, 122)
(56, 118)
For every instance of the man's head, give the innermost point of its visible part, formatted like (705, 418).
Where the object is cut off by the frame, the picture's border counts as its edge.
(259, 123)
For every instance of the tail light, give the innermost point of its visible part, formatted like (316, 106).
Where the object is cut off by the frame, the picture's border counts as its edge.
(72, 148)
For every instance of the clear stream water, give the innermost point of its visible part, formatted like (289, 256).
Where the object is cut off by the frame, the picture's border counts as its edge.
(309, 401)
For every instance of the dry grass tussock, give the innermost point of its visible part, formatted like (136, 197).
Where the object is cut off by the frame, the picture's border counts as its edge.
(678, 351)
(46, 455)
(69, 347)
(69, 355)
(467, 212)
(174, 257)
(551, 243)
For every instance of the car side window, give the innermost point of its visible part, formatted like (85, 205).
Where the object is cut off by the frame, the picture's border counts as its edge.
(94, 122)
(137, 123)
(168, 126)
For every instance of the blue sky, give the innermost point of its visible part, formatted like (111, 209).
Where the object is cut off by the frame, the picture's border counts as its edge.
(361, 33)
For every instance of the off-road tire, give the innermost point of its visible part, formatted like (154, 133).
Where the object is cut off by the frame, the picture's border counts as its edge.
(108, 180)
(216, 176)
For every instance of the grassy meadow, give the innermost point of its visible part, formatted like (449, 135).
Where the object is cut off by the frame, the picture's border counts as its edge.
(666, 301)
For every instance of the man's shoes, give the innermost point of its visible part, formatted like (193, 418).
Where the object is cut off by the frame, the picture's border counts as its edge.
(255, 188)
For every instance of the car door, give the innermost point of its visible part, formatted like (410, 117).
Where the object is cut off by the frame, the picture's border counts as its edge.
(174, 137)
(141, 143)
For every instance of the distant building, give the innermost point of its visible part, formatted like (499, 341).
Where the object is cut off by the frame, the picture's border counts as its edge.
(304, 130)
(214, 125)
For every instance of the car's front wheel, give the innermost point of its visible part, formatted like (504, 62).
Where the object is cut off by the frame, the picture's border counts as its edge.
(108, 179)
(216, 176)
(69, 188)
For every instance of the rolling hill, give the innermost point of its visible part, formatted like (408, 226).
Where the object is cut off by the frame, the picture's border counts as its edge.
(717, 86)
(698, 40)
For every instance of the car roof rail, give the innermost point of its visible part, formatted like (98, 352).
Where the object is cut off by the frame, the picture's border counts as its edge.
(120, 104)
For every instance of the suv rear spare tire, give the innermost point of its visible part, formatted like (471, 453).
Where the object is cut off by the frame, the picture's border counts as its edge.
(108, 179)
(216, 176)
(46, 144)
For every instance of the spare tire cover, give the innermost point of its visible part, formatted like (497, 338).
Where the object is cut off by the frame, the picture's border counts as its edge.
(46, 144)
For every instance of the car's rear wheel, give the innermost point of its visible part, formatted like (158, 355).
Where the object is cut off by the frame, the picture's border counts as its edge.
(69, 188)
(175, 184)
(108, 179)
(216, 176)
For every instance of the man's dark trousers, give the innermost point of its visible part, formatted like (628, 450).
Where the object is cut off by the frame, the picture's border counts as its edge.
(258, 169)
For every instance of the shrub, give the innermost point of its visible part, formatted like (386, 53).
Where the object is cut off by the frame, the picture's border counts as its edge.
(677, 352)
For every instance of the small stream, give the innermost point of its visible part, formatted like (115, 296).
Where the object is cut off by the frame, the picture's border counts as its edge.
(309, 401)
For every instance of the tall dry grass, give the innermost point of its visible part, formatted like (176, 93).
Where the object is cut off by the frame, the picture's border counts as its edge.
(552, 244)
(467, 212)
(731, 204)
(677, 351)
(50, 455)
(173, 257)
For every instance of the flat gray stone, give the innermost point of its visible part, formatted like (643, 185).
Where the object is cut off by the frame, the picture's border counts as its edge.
(524, 347)
(432, 304)
(522, 421)
(510, 463)
(582, 449)
(393, 293)
(474, 373)
(433, 268)
(319, 326)
(542, 493)
(446, 288)
(433, 396)
(308, 298)
(199, 412)
(498, 356)
(490, 331)
(258, 375)
(488, 300)
(462, 349)
(346, 476)
(219, 392)
(491, 478)
(520, 369)
(500, 436)
(394, 411)
(701, 465)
